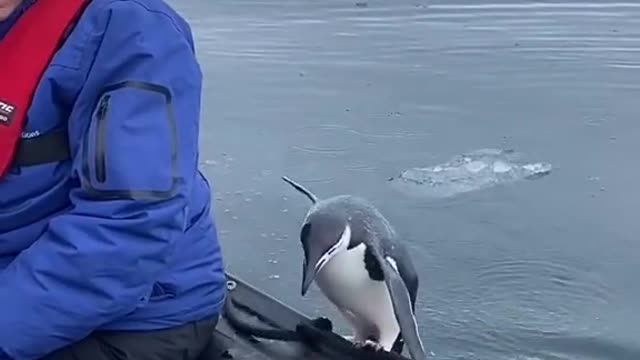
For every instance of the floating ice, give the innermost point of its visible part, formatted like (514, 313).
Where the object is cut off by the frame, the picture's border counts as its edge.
(473, 171)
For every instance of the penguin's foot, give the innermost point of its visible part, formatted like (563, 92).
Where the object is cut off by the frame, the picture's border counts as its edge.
(369, 345)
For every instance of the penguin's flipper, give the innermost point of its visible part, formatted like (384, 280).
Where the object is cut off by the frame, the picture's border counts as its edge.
(402, 308)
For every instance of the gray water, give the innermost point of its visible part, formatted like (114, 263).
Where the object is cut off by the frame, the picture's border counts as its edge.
(342, 96)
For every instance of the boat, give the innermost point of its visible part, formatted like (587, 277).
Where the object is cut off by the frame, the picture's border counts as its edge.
(255, 325)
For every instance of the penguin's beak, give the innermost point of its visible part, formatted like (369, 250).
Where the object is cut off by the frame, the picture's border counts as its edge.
(308, 274)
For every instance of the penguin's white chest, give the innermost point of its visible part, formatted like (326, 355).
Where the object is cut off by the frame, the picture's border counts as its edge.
(366, 303)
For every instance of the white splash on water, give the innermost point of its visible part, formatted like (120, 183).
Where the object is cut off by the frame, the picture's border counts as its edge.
(473, 171)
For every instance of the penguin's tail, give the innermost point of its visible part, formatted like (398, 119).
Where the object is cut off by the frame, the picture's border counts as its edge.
(302, 189)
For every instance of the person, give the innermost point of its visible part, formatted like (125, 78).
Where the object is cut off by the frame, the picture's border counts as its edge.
(108, 245)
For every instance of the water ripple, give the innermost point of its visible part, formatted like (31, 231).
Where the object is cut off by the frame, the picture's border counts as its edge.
(320, 150)
(526, 286)
(537, 28)
(565, 281)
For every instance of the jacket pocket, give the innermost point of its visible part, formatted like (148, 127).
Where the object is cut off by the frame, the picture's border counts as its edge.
(102, 115)
(131, 148)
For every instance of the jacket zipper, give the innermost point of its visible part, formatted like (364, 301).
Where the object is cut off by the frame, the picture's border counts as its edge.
(101, 115)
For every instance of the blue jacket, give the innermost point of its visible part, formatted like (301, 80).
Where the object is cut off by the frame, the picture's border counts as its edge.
(121, 236)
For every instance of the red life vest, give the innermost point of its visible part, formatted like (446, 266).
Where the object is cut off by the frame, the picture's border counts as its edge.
(25, 53)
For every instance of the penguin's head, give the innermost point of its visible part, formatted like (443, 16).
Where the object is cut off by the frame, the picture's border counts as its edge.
(322, 236)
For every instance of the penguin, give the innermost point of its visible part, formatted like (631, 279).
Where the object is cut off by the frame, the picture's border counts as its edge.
(355, 257)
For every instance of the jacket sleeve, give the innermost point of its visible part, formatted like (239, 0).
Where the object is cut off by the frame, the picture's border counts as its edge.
(134, 169)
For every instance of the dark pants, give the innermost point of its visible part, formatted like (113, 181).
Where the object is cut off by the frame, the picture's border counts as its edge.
(180, 343)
